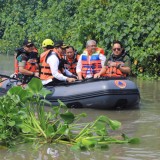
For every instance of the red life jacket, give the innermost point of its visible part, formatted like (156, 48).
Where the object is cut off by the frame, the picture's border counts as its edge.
(45, 72)
(71, 64)
(90, 64)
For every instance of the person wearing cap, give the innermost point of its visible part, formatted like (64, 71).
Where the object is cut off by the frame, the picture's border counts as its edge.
(60, 47)
(26, 62)
(52, 67)
(90, 61)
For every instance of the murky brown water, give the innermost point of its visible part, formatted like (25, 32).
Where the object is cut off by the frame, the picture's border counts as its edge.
(143, 123)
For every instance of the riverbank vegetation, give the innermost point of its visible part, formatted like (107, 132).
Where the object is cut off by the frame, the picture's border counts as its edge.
(23, 119)
(135, 23)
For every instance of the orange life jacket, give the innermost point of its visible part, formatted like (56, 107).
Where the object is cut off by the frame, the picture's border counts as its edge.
(45, 72)
(98, 50)
(31, 64)
(16, 70)
(90, 64)
(114, 71)
(71, 64)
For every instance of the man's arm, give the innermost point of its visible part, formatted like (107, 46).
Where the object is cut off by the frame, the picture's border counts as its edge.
(102, 58)
(126, 68)
(53, 62)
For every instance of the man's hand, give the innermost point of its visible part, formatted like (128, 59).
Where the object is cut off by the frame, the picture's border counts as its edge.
(97, 75)
(112, 64)
(69, 80)
(36, 74)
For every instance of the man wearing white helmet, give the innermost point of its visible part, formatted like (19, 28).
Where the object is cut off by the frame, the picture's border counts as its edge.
(51, 64)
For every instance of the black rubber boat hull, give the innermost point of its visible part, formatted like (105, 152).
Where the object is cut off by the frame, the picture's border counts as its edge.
(93, 93)
(99, 94)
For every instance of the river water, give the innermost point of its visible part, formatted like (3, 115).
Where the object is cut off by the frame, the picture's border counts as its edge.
(143, 123)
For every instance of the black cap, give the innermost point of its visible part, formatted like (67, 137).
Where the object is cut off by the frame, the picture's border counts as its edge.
(60, 43)
(27, 42)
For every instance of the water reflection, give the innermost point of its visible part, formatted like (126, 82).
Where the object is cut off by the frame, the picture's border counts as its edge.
(150, 93)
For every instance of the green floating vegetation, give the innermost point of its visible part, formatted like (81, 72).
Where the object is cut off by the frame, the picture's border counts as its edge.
(23, 119)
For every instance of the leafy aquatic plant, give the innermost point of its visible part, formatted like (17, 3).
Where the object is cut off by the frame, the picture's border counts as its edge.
(24, 119)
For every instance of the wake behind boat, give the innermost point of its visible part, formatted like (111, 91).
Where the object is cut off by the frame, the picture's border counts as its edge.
(103, 93)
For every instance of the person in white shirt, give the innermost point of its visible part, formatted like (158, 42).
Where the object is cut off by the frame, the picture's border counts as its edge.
(90, 62)
(52, 64)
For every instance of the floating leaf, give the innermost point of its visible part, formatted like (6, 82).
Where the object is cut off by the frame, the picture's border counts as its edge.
(134, 141)
(114, 124)
(35, 85)
(44, 92)
(62, 104)
(46, 102)
(68, 117)
(50, 130)
(56, 109)
(75, 146)
(62, 129)
(81, 115)
(15, 90)
(103, 118)
(19, 91)
(25, 129)
(88, 142)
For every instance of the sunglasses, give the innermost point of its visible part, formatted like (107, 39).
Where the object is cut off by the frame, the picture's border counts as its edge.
(118, 49)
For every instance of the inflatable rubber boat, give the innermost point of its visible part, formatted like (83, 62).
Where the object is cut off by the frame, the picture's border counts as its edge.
(103, 93)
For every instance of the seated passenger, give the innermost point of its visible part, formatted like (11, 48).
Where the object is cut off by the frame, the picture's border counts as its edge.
(117, 64)
(26, 62)
(52, 67)
(90, 61)
(71, 59)
(61, 50)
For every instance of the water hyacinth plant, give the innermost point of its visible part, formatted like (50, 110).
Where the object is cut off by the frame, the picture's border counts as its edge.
(23, 119)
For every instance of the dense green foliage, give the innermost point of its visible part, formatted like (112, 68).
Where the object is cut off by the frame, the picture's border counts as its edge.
(23, 119)
(134, 22)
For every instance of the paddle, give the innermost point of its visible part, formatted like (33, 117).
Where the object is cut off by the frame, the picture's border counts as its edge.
(7, 77)
(4, 76)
